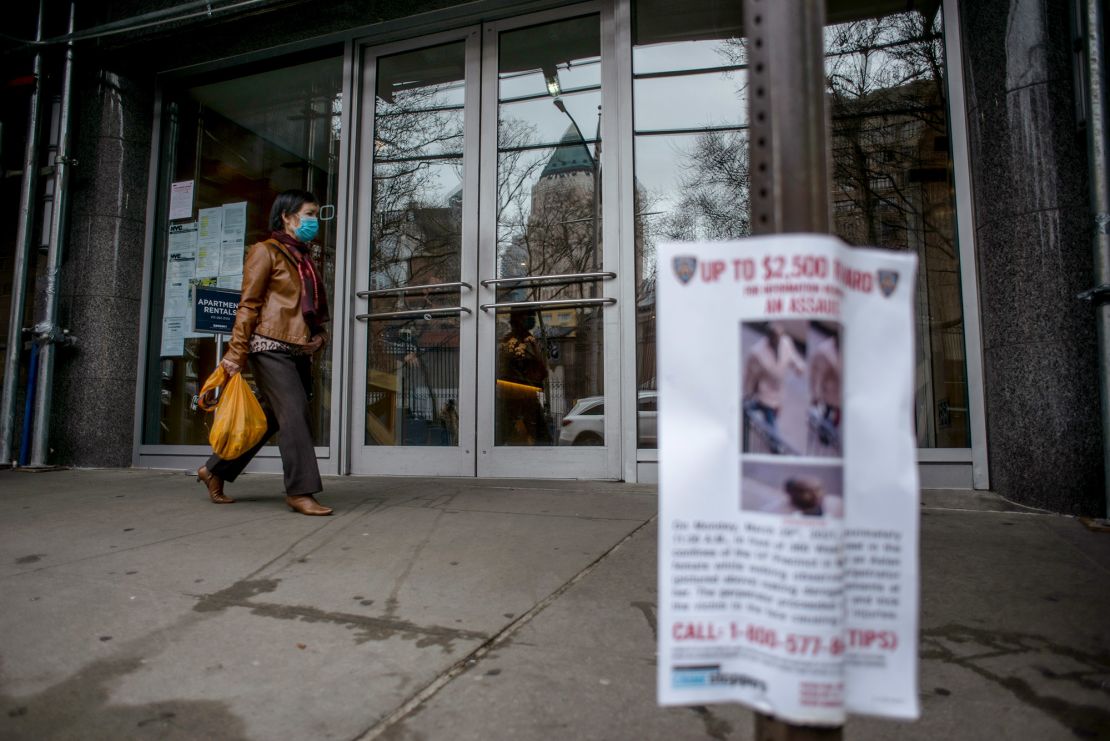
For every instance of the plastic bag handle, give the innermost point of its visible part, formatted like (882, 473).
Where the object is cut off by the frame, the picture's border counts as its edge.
(214, 382)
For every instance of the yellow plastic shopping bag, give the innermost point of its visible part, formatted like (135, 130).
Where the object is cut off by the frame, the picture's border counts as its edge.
(240, 422)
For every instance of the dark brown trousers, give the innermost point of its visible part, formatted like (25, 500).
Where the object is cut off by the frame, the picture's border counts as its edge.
(285, 383)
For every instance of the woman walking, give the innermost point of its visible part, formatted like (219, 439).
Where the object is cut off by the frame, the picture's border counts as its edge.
(278, 327)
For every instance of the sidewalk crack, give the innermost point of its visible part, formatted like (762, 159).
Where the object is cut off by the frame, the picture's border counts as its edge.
(428, 691)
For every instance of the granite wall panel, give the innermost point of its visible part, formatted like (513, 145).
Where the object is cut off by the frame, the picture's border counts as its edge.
(101, 280)
(1041, 446)
(1029, 177)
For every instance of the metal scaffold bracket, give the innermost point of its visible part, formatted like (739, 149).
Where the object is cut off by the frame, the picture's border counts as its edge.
(52, 334)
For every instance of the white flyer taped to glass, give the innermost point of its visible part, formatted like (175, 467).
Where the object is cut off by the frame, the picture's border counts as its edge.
(788, 529)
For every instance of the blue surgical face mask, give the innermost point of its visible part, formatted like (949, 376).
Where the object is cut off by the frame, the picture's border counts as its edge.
(307, 229)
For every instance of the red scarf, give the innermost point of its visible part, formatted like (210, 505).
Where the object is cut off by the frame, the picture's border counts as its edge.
(314, 298)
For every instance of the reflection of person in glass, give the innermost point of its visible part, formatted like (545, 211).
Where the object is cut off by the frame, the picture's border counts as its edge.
(450, 416)
(431, 338)
(764, 372)
(278, 327)
(824, 387)
(521, 371)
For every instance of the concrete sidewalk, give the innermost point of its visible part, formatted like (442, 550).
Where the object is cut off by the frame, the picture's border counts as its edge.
(466, 609)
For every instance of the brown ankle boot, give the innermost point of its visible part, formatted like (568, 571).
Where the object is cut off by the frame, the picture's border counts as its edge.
(306, 504)
(215, 486)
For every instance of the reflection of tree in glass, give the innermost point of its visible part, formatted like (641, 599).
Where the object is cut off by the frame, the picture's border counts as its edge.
(416, 239)
(418, 147)
(712, 200)
(714, 196)
(892, 186)
(886, 85)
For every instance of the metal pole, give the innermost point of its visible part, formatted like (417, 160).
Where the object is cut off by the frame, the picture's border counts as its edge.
(47, 332)
(786, 95)
(24, 235)
(1097, 156)
(788, 164)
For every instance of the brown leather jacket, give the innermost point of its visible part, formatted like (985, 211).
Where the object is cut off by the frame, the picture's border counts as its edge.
(270, 303)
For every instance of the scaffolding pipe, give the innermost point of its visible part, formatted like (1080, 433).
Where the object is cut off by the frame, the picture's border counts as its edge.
(177, 14)
(1097, 155)
(47, 333)
(22, 257)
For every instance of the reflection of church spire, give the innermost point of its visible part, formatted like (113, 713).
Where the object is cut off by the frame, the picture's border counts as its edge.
(570, 156)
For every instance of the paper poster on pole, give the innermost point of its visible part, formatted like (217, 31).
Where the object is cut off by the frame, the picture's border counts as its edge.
(181, 200)
(788, 529)
(209, 234)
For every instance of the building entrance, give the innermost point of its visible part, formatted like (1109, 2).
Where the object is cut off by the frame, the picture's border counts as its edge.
(486, 325)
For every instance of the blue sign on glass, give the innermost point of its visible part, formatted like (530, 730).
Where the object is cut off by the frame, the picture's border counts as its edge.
(214, 309)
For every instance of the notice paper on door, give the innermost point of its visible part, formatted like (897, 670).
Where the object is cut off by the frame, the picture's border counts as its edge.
(209, 233)
(181, 199)
(788, 527)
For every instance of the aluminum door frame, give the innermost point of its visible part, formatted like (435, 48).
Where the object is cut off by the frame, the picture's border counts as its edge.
(456, 460)
(602, 462)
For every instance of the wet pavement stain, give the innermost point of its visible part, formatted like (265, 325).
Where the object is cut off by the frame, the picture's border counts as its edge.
(236, 594)
(364, 627)
(1085, 721)
(33, 558)
(64, 710)
(371, 629)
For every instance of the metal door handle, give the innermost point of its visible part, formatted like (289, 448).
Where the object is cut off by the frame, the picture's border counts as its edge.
(430, 288)
(415, 313)
(562, 303)
(539, 280)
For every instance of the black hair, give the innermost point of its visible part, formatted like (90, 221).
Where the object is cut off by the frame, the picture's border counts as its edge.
(288, 202)
(798, 484)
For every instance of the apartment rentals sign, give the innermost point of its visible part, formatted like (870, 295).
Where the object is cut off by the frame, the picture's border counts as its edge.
(788, 533)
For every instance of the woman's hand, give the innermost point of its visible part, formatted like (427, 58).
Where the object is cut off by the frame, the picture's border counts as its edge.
(315, 343)
(230, 367)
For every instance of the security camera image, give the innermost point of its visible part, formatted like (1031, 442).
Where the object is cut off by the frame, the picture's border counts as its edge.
(791, 388)
(780, 488)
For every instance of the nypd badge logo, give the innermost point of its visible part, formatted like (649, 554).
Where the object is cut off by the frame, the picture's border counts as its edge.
(685, 267)
(888, 281)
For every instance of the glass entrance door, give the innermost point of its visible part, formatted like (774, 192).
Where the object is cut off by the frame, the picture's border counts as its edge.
(482, 321)
(415, 266)
(542, 325)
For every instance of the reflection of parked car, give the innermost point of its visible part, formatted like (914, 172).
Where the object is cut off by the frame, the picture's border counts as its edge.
(584, 424)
